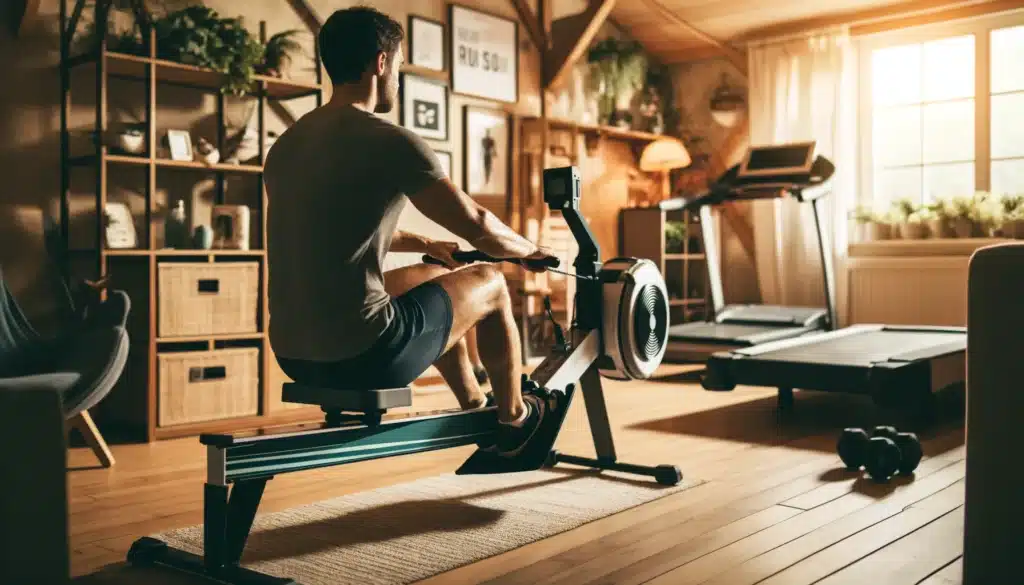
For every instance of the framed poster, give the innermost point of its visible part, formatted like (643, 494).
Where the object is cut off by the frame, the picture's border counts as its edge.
(486, 142)
(426, 43)
(484, 54)
(445, 158)
(424, 106)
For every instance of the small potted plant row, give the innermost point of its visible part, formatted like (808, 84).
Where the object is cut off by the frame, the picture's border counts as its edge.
(981, 215)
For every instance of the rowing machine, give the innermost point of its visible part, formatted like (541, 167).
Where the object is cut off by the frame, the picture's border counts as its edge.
(619, 331)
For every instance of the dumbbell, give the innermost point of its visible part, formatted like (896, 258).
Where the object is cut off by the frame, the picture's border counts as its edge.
(883, 454)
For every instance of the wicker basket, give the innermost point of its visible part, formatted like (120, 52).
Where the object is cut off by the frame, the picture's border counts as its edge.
(207, 298)
(196, 386)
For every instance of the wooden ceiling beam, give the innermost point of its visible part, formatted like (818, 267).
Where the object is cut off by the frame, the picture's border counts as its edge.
(570, 38)
(532, 23)
(307, 14)
(736, 57)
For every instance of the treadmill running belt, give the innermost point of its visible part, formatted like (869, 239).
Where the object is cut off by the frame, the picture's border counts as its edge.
(720, 331)
(863, 349)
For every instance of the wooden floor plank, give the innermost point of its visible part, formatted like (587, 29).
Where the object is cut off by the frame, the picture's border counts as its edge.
(786, 554)
(911, 558)
(951, 574)
(861, 544)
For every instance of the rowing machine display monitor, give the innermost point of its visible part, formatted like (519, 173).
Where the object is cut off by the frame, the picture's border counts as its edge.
(766, 172)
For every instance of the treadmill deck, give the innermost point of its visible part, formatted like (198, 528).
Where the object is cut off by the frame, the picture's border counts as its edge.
(864, 348)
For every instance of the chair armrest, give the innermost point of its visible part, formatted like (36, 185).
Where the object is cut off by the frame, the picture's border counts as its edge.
(98, 356)
(61, 382)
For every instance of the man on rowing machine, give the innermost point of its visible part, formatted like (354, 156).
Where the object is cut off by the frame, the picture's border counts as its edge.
(337, 181)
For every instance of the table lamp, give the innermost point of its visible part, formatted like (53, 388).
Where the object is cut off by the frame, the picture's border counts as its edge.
(661, 156)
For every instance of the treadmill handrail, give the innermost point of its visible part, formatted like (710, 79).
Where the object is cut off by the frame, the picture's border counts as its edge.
(805, 340)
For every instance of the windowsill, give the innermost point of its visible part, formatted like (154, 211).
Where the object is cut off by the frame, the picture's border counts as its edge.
(929, 247)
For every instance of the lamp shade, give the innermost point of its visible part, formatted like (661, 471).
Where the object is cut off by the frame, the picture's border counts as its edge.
(664, 154)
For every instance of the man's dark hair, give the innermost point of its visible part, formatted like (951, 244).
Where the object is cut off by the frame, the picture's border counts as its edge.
(351, 39)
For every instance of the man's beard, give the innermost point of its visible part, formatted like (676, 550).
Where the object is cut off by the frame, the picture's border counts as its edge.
(387, 98)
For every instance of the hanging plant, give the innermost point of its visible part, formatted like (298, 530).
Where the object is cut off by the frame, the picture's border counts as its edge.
(278, 53)
(618, 71)
(198, 36)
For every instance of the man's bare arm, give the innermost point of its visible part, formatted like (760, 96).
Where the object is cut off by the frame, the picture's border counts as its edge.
(408, 242)
(446, 204)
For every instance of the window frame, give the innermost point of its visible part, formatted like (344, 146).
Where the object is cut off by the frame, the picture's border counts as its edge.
(981, 27)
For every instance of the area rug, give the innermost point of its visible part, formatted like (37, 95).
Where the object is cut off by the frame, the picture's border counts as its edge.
(404, 533)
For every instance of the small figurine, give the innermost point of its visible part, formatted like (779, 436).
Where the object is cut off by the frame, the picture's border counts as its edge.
(208, 153)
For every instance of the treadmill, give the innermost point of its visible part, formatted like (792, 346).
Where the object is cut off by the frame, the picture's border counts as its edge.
(766, 172)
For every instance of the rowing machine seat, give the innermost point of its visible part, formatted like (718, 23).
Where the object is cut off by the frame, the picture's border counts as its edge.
(346, 399)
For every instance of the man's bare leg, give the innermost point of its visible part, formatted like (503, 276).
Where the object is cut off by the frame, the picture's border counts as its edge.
(455, 365)
(474, 356)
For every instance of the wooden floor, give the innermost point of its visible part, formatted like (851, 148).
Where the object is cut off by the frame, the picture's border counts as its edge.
(776, 506)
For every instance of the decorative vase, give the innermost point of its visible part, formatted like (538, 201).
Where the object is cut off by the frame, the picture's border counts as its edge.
(1015, 228)
(940, 227)
(202, 238)
(175, 231)
(963, 227)
(879, 231)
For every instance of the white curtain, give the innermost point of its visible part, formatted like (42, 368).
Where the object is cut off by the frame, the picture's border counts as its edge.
(799, 90)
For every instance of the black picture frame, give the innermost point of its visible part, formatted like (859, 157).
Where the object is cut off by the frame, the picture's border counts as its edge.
(453, 55)
(413, 18)
(405, 118)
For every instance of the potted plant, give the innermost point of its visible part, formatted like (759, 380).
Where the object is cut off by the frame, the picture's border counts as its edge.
(939, 220)
(618, 69)
(962, 212)
(1013, 216)
(903, 211)
(197, 35)
(862, 217)
(278, 53)
(675, 235)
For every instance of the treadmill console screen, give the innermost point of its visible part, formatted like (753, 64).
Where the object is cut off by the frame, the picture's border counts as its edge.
(778, 160)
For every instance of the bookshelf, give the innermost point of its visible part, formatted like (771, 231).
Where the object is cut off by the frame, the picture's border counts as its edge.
(135, 405)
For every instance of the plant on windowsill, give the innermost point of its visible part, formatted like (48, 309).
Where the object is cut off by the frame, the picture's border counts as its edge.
(909, 221)
(963, 213)
(1013, 215)
(940, 222)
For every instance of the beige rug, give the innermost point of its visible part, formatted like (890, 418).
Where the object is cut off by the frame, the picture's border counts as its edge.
(408, 532)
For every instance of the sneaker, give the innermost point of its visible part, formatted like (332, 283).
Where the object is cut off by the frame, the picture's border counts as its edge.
(511, 440)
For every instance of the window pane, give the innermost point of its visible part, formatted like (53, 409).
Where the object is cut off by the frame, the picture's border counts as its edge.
(1008, 124)
(893, 184)
(1008, 176)
(896, 75)
(949, 68)
(896, 137)
(948, 180)
(1008, 59)
(949, 131)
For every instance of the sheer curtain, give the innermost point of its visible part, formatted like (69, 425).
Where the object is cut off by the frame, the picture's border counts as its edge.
(804, 89)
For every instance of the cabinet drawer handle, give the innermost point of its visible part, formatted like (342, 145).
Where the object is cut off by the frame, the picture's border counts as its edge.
(209, 285)
(198, 374)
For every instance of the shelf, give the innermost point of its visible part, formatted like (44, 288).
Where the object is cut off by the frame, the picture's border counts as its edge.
(123, 159)
(607, 131)
(227, 337)
(128, 66)
(684, 256)
(171, 252)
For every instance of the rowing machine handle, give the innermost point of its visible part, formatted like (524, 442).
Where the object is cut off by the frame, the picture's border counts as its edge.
(478, 256)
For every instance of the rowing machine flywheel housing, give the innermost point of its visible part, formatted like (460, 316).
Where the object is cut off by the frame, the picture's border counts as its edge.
(634, 332)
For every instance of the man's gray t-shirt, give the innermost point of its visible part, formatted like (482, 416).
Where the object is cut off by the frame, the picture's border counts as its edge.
(336, 184)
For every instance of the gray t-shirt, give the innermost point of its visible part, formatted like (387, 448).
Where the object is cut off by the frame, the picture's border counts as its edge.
(336, 184)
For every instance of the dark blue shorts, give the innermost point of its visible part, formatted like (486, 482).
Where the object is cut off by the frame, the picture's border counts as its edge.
(415, 338)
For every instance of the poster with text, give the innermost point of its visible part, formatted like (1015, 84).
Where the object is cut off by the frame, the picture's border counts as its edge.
(484, 55)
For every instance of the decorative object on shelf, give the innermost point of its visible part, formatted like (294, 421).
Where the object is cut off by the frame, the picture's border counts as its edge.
(485, 151)
(484, 54)
(426, 43)
(650, 117)
(180, 144)
(278, 54)
(662, 156)
(445, 158)
(424, 108)
(202, 237)
(727, 103)
(119, 229)
(132, 139)
(618, 69)
(198, 35)
(207, 152)
(176, 232)
(231, 227)
(675, 236)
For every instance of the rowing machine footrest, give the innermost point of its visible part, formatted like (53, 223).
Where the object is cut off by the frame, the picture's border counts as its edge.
(347, 399)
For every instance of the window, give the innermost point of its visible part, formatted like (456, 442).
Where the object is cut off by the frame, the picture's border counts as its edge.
(942, 111)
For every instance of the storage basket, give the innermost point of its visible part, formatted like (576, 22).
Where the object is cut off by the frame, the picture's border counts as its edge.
(196, 299)
(196, 386)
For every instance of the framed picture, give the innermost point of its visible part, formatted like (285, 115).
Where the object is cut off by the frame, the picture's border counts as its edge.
(426, 43)
(424, 106)
(445, 158)
(180, 144)
(484, 54)
(120, 227)
(230, 227)
(486, 141)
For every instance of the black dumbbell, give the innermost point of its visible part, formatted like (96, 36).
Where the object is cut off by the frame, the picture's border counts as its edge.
(883, 454)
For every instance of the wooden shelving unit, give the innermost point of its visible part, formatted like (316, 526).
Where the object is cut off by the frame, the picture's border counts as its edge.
(134, 403)
(685, 271)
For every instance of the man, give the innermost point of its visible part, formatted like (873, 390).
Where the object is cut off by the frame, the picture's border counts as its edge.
(337, 181)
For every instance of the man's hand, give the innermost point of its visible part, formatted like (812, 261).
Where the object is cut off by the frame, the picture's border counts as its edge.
(540, 254)
(443, 252)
